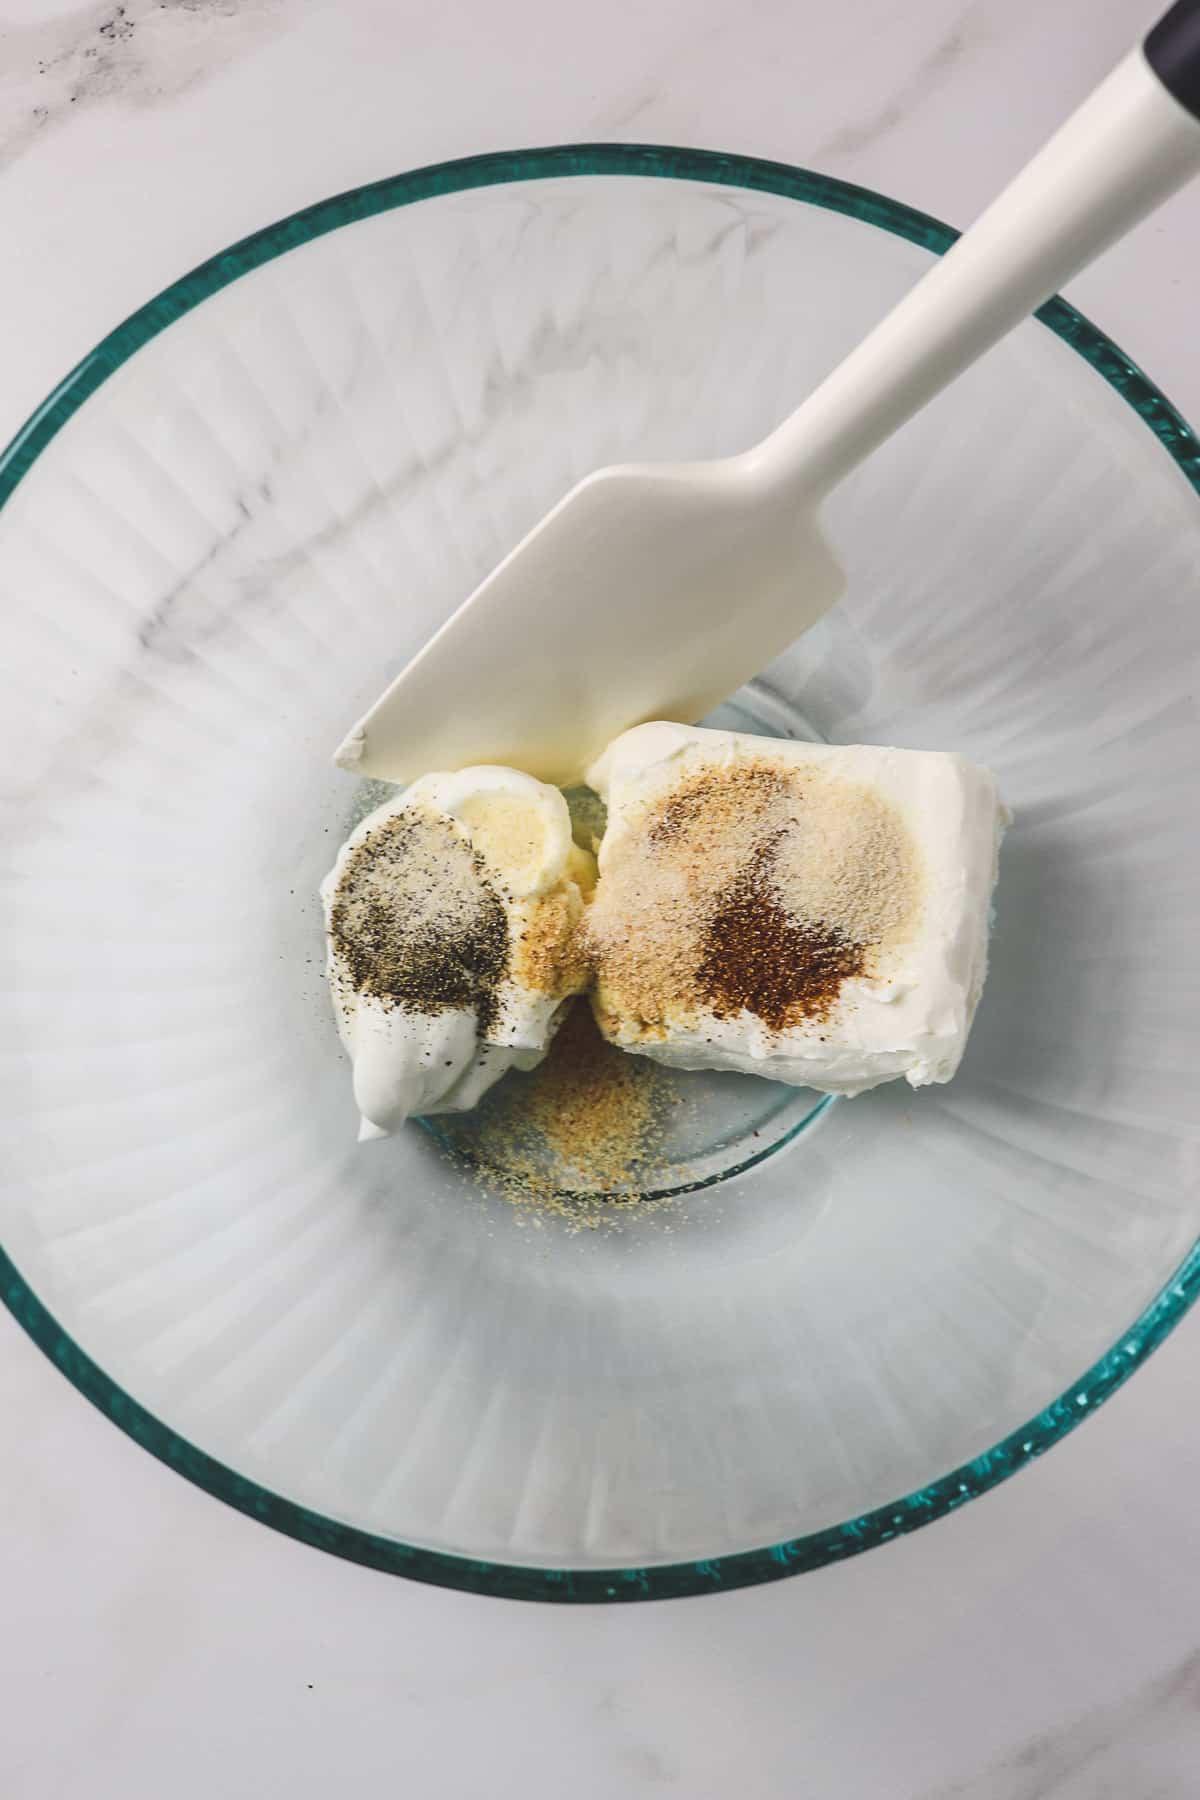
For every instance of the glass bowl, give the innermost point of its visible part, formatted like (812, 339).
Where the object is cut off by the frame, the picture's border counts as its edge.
(223, 532)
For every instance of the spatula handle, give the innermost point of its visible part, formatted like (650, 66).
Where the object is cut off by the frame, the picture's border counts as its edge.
(1173, 52)
(1129, 146)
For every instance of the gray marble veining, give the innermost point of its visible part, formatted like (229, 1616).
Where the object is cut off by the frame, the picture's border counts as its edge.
(136, 52)
(934, 68)
(1146, 1747)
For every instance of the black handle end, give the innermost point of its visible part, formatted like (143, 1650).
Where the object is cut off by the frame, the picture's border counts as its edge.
(1173, 52)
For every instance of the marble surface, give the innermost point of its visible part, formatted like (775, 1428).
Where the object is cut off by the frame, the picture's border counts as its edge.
(1041, 1643)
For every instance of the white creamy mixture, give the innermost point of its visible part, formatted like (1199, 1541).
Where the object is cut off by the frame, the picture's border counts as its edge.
(449, 913)
(814, 913)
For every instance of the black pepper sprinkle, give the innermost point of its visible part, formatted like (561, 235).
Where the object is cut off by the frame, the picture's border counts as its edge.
(389, 942)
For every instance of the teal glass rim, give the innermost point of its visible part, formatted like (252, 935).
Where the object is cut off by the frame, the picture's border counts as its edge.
(660, 1581)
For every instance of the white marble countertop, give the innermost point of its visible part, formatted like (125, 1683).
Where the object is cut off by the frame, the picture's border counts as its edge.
(1045, 1641)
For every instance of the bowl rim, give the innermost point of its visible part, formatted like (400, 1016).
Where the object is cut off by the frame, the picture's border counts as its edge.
(661, 1580)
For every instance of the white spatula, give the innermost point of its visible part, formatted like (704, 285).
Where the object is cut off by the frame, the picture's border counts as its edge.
(653, 591)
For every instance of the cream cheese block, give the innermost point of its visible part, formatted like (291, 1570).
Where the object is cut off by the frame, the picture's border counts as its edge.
(814, 913)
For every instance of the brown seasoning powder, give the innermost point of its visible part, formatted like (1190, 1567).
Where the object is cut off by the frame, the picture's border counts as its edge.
(574, 1132)
(749, 886)
(548, 955)
(756, 957)
(591, 1105)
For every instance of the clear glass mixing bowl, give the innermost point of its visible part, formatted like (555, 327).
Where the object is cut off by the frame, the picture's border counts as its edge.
(221, 535)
